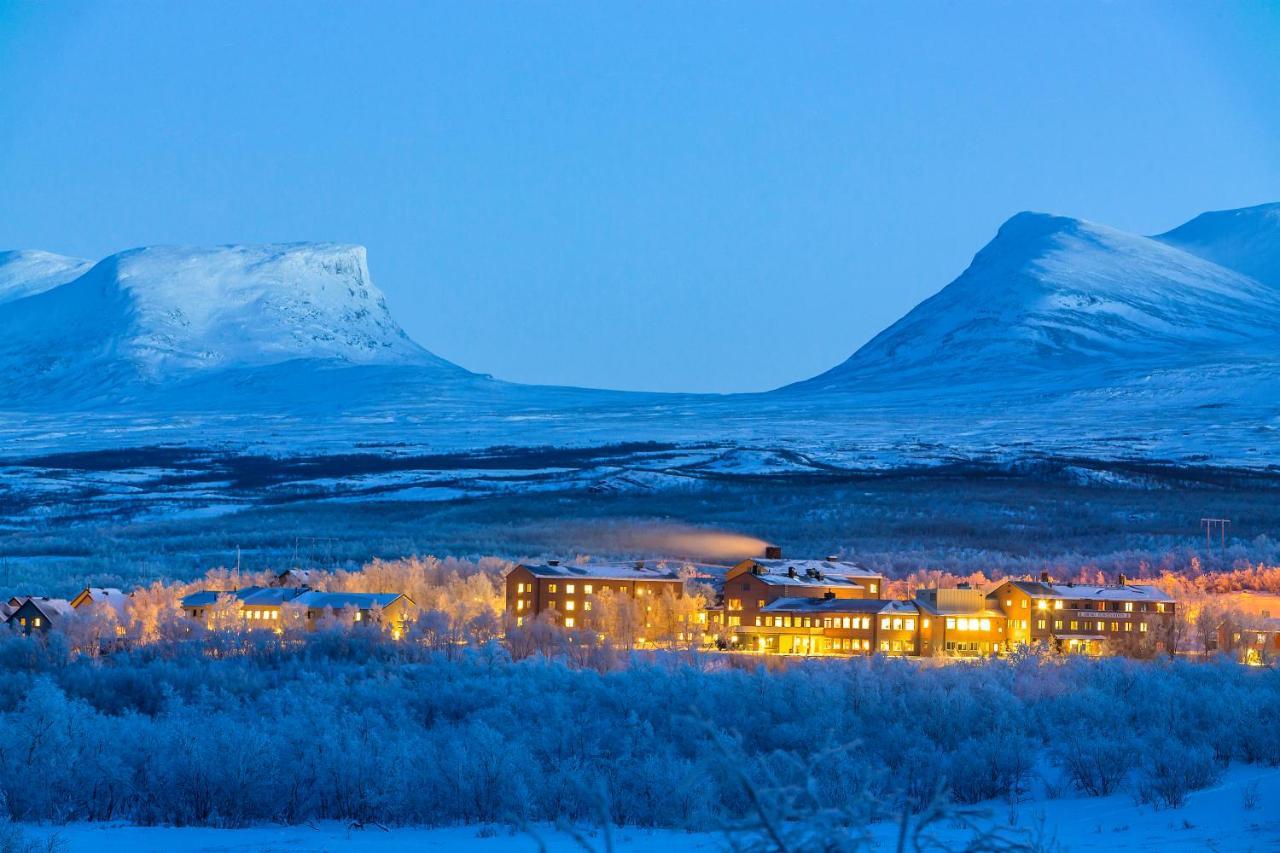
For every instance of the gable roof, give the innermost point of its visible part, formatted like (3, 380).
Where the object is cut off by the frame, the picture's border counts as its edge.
(49, 608)
(115, 598)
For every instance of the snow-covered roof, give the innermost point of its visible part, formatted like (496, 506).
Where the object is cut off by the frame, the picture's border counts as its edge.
(260, 596)
(316, 600)
(805, 568)
(604, 571)
(249, 595)
(114, 598)
(836, 605)
(50, 607)
(1094, 592)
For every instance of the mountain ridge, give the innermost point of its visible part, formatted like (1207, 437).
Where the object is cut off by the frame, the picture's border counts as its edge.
(1053, 294)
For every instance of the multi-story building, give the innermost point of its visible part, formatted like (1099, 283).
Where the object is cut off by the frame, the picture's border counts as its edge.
(752, 585)
(566, 591)
(1086, 618)
(961, 622)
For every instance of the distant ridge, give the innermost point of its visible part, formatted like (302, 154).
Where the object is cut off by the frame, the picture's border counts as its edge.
(1053, 299)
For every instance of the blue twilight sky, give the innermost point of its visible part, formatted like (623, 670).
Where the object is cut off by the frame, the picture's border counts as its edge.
(671, 196)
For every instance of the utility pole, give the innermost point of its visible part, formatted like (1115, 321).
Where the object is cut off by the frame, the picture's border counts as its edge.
(1220, 525)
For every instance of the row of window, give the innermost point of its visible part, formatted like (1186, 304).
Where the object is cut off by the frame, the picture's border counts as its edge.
(587, 589)
(966, 623)
(1126, 606)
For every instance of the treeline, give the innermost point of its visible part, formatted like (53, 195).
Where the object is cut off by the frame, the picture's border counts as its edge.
(347, 727)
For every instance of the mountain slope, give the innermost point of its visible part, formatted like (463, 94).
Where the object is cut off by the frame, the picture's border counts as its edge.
(1053, 300)
(28, 273)
(1245, 240)
(150, 317)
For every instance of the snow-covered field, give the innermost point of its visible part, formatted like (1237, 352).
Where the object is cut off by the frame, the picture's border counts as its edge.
(1220, 818)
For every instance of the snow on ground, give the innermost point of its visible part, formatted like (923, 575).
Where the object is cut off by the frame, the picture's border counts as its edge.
(1215, 819)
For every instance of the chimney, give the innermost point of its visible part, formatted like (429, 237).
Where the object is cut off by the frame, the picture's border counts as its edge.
(791, 571)
(773, 552)
(1121, 579)
(553, 562)
(829, 595)
(1044, 578)
(639, 565)
(833, 558)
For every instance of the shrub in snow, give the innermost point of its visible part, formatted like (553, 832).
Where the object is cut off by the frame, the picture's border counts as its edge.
(1169, 771)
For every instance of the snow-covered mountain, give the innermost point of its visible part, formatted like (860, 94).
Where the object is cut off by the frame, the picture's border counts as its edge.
(268, 373)
(149, 318)
(27, 273)
(1245, 240)
(1054, 303)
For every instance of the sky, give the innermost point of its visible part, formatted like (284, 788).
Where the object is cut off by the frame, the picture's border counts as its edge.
(666, 196)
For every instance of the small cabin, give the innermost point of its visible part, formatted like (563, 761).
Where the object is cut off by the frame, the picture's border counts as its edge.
(38, 614)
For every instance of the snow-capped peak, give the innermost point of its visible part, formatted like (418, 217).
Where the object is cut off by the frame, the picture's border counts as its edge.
(164, 313)
(1056, 294)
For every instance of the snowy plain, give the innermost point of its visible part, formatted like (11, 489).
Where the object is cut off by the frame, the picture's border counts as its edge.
(1214, 819)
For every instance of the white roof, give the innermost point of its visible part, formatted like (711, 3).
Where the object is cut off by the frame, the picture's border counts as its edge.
(1094, 592)
(605, 571)
(779, 571)
(832, 605)
(111, 596)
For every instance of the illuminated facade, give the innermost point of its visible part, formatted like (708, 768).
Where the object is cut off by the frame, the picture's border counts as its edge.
(567, 592)
(1121, 618)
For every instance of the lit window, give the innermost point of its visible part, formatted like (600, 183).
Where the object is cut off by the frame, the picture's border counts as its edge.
(1074, 624)
(519, 621)
(359, 615)
(568, 605)
(1040, 624)
(587, 588)
(897, 624)
(1128, 607)
(760, 603)
(568, 623)
(845, 622)
(757, 621)
(986, 624)
(520, 605)
(1102, 626)
(551, 604)
(951, 623)
(1128, 626)
(1142, 627)
(924, 623)
(884, 623)
(1115, 626)
(1041, 604)
(519, 588)
(874, 587)
(1008, 602)
(1024, 603)
(910, 624)
(568, 589)
(586, 605)
(36, 621)
(1057, 624)
(884, 645)
(1057, 605)
(551, 588)
(1159, 606)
